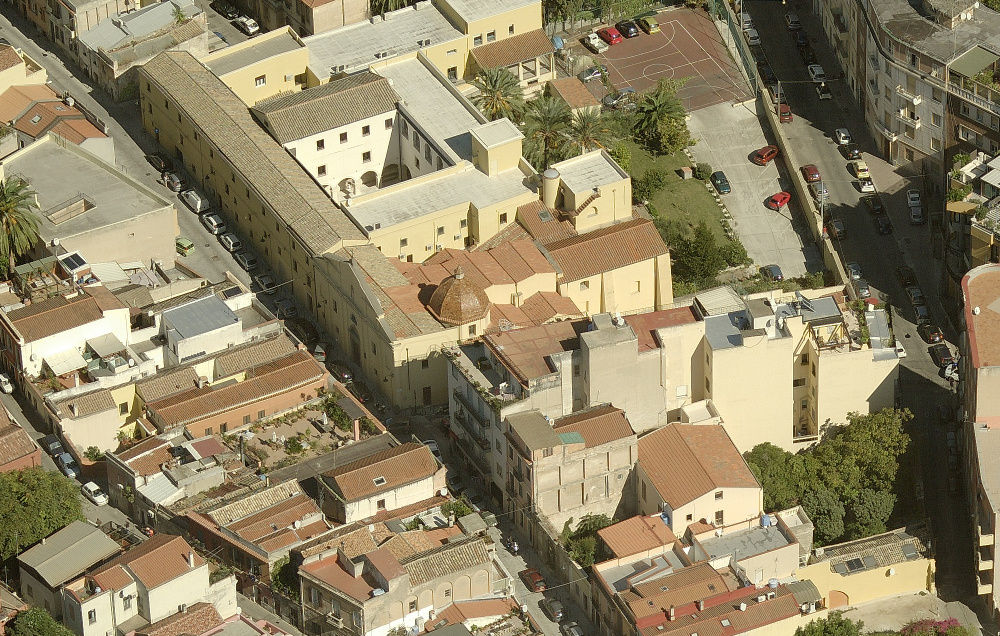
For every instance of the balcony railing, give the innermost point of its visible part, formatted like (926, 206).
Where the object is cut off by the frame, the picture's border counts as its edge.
(985, 537)
(873, 60)
(471, 408)
(975, 99)
(983, 586)
(907, 95)
(902, 116)
(470, 428)
(888, 134)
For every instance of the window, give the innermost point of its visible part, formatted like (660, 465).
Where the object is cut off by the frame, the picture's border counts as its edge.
(381, 504)
(936, 119)
(477, 41)
(935, 144)
(388, 123)
(576, 370)
(472, 330)
(374, 351)
(441, 230)
(321, 171)
(314, 596)
(404, 242)
(804, 359)
(246, 420)
(260, 415)
(208, 431)
(343, 138)
(92, 616)
(453, 73)
(416, 163)
(320, 144)
(708, 384)
(127, 602)
(452, 52)
(260, 80)
(936, 94)
(366, 157)
(413, 606)
(366, 130)
(464, 223)
(123, 408)
(888, 93)
(638, 285)
(718, 495)
(510, 30)
(416, 141)
(814, 369)
(584, 285)
(447, 593)
(406, 129)
(491, 36)
(425, 364)
(503, 218)
(644, 491)
(689, 518)
(799, 382)
(718, 518)
(440, 164)
(427, 152)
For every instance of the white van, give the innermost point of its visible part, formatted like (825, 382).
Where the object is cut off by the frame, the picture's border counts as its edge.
(213, 223)
(195, 200)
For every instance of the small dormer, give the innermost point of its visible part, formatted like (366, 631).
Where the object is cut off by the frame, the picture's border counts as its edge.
(496, 146)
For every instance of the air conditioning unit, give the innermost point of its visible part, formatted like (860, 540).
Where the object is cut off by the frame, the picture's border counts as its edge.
(761, 598)
(402, 257)
(439, 246)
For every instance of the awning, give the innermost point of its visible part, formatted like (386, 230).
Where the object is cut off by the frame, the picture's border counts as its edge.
(804, 592)
(65, 361)
(106, 345)
(993, 178)
(972, 61)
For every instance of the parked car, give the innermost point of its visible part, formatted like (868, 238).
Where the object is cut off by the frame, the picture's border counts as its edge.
(778, 201)
(818, 191)
(5, 384)
(853, 270)
(807, 54)
(837, 228)
(319, 351)
(842, 136)
(195, 200)
(883, 224)
(758, 55)
(68, 465)
(917, 216)
(861, 169)
(230, 241)
(265, 282)
(455, 482)
(594, 72)
(720, 182)
(534, 580)
(923, 315)
(810, 173)
(94, 493)
(225, 9)
(624, 98)
(941, 355)
(213, 223)
(285, 308)
(900, 350)
(931, 334)
(627, 28)
(571, 628)
(915, 295)
(753, 38)
(594, 43)
(160, 162)
(906, 276)
(746, 20)
(784, 113)
(823, 91)
(866, 185)
(816, 73)
(247, 25)
(340, 371)
(874, 204)
(435, 451)
(913, 198)
(772, 272)
(360, 391)
(183, 245)
(246, 260)
(554, 608)
(852, 152)
(649, 25)
(861, 286)
(174, 182)
(51, 445)
(765, 155)
(792, 20)
(801, 39)
(946, 414)
(610, 35)
(767, 74)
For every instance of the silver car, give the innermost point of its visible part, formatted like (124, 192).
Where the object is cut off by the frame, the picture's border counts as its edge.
(571, 628)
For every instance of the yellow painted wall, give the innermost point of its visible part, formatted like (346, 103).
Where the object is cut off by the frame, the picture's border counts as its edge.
(853, 381)
(627, 289)
(278, 71)
(423, 231)
(861, 587)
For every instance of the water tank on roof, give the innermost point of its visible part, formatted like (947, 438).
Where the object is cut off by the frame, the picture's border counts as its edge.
(772, 583)
(765, 521)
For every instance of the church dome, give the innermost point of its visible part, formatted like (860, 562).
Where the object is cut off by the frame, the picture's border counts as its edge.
(458, 301)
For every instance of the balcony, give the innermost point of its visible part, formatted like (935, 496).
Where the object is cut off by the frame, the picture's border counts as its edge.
(888, 134)
(908, 96)
(984, 561)
(984, 584)
(974, 92)
(873, 60)
(470, 428)
(985, 536)
(903, 116)
(484, 374)
(471, 408)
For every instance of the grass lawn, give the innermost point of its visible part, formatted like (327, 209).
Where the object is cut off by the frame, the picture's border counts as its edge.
(686, 201)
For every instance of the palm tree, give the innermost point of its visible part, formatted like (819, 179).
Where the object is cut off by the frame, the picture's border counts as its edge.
(546, 123)
(657, 104)
(378, 7)
(179, 16)
(18, 222)
(588, 130)
(500, 94)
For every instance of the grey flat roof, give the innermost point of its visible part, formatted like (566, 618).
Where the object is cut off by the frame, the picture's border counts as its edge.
(497, 132)
(136, 24)
(722, 333)
(472, 10)
(234, 58)
(903, 22)
(617, 577)
(441, 115)
(354, 46)
(408, 200)
(820, 311)
(534, 430)
(69, 552)
(200, 316)
(745, 543)
(588, 171)
(59, 174)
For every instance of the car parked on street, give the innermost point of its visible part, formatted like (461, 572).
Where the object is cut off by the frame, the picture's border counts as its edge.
(810, 173)
(866, 185)
(361, 391)
(93, 492)
(883, 224)
(823, 91)
(852, 152)
(174, 182)
(816, 73)
(917, 216)
(213, 223)
(861, 286)
(285, 308)
(649, 25)
(534, 580)
(874, 204)
(432, 445)
(819, 192)
(225, 9)
(610, 35)
(778, 201)
(913, 198)
(720, 182)
(784, 113)
(160, 162)
(627, 29)
(842, 136)
(931, 334)
(941, 355)
(915, 295)
(68, 465)
(184, 246)
(195, 200)
(340, 371)
(801, 39)
(923, 315)
(765, 155)
(837, 228)
(265, 283)
(554, 608)
(571, 628)
(595, 43)
(246, 260)
(793, 22)
(753, 38)
(853, 270)
(772, 272)
(248, 26)
(906, 276)
(51, 445)
(6, 385)
(861, 169)
(230, 241)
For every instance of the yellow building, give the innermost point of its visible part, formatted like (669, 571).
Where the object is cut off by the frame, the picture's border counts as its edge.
(17, 69)
(259, 68)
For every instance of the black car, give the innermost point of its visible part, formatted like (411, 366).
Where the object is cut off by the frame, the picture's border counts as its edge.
(906, 277)
(772, 272)
(931, 334)
(767, 74)
(801, 39)
(51, 445)
(758, 55)
(340, 371)
(361, 391)
(883, 224)
(941, 355)
(808, 55)
(627, 28)
(225, 9)
(874, 204)
(720, 182)
(852, 152)
(161, 162)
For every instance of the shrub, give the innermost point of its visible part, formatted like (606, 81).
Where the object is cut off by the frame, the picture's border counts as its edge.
(622, 155)
(459, 508)
(702, 171)
(735, 254)
(94, 454)
(294, 446)
(959, 194)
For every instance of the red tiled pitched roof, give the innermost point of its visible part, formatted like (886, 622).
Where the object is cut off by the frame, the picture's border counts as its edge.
(510, 51)
(637, 534)
(157, 560)
(397, 466)
(195, 620)
(597, 426)
(607, 249)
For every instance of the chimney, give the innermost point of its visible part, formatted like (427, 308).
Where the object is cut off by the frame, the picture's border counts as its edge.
(670, 614)
(701, 605)
(190, 559)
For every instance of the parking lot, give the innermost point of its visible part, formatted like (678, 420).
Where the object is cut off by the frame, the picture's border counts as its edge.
(688, 46)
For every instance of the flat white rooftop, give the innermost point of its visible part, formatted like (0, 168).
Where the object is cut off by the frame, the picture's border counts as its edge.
(588, 171)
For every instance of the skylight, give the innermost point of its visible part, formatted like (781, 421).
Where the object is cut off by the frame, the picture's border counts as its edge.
(379, 481)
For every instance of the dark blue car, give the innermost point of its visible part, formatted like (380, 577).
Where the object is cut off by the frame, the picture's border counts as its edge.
(720, 182)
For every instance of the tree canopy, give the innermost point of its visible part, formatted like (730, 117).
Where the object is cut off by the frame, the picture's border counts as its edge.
(18, 221)
(36, 622)
(833, 625)
(34, 503)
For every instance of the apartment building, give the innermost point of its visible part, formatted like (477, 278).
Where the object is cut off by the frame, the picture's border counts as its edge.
(66, 20)
(33, 111)
(560, 471)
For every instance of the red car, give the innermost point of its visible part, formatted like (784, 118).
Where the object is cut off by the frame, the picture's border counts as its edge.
(810, 173)
(533, 580)
(784, 113)
(765, 155)
(610, 35)
(778, 201)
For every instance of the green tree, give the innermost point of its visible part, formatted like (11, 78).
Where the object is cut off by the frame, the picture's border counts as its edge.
(546, 123)
(18, 221)
(34, 503)
(698, 258)
(285, 578)
(870, 511)
(672, 134)
(178, 14)
(588, 131)
(875, 441)
(36, 622)
(591, 523)
(657, 104)
(582, 550)
(622, 155)
(459, 508)
(827, 513)
(778, 473)
(500, 94)
(833, 625)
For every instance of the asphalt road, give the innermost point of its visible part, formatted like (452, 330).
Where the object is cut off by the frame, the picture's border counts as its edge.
(921, 385)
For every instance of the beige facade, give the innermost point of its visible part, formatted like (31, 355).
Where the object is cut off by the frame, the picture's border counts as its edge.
(67, 19)
(734, 504)
(27, 71)
(262, 67)
(319, 16)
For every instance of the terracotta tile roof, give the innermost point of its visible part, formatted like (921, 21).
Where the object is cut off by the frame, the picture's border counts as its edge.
(54, 315)
(598, 425)
(543, 223)
(276, 377)
(446, 560)
(280, 181)
(86, 404)
(525, 351)
(253, 354)
(15, 100)
(686, 461)
(9, 57)
(718, 607)
(166, 383)
(407, 544)
(251, 504)
(386, 564)
(544, 306)
(328, 106)
(981, 288)
(510, 51)
(574, 92)
(198, 619)
(506, 264)
(513, 232)
(77, 131)
(104, 297)
(332, 573)
(682, 586)
(15, 442)
(397, 466)
(113, 578)
(637, 534)
(279, 516)
(146, 457)
(293, 536)
(607, 249)
(156, 561)
(645, 325)
(462, 611)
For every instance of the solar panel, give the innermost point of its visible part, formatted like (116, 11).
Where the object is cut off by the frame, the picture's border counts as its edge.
(72, 261)
(840, 568)
(909, 551)
(870, 562)
(853, 565)
(232, 291)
